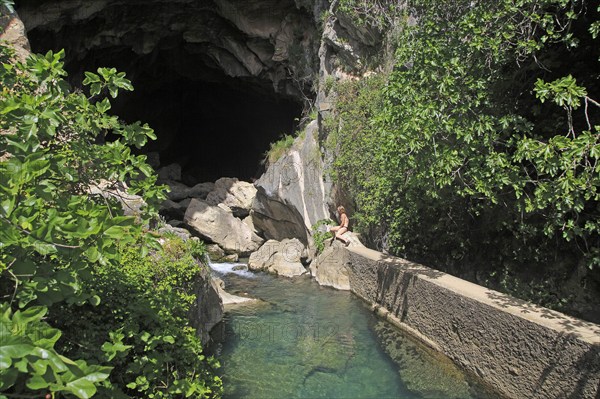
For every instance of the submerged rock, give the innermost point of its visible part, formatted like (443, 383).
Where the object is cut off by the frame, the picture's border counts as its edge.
(226, 297)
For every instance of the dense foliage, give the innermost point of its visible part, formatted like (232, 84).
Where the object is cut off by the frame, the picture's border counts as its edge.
(91, 303)
(482, 145)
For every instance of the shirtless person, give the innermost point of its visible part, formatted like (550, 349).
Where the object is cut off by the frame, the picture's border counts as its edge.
(343, 227)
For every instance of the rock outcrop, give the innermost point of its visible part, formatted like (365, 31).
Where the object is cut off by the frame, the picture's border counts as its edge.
(296, 179)
(207, 310)
(277, 219)
(283, 258)
(218, 224)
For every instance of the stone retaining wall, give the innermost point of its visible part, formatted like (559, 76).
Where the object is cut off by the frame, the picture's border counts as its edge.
(521, 350)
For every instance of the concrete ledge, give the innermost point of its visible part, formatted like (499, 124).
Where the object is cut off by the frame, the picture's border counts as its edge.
(520, 349)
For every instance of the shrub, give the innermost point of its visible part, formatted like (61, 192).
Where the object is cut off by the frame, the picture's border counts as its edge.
(319, 236)
(65, 252)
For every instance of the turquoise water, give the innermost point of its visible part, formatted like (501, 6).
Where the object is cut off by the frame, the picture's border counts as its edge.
(302, 340)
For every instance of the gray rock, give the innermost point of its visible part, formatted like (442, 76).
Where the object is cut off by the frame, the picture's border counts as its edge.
(185, 203)
(281, 258)
(275, 219)
(178, 231)
(170, 172)
(295, 190)
(172, 209)
(201, 190)
(250, 223)
(175, 223)
(131, 204)
(237, 195)
(215, 252)
(230, 258)
(221, 227)
(330, 267)
(226, 297)
(180, 191)
(207, 310)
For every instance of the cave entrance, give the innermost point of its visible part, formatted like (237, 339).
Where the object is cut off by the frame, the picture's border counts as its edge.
(214, 108)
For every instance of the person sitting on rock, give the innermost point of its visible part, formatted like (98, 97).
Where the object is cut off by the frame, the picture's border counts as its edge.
(342, 228)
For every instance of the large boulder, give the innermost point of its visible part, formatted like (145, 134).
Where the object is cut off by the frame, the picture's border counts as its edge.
(237, 195)
(276, 219)
(217, 224)
(283, 258)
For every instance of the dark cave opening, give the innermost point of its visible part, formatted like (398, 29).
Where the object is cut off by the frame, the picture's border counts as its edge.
(211, 124)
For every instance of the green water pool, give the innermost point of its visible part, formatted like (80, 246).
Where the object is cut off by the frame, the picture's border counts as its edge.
(301, 340)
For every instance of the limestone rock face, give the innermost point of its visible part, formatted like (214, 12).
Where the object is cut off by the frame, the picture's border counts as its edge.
(226, 297)
(277, 219)
(237, 195)
(218, 225)
(296, 180)
(215, 252)
(279, 257)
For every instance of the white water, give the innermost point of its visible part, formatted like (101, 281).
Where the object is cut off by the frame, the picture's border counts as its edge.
(227, 268)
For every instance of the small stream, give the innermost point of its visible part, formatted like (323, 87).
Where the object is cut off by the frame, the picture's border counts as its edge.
(302, 340)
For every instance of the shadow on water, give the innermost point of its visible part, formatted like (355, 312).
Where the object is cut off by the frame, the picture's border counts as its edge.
(307, 341)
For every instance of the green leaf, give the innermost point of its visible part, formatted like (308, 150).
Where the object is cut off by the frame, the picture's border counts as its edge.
(103, 105)
(13, 348)
(91, 78)
(37, 382)
(82, 388)
(24, 267)
(169, 339)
